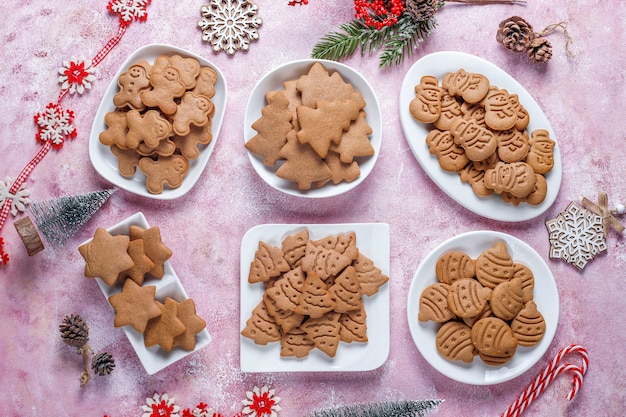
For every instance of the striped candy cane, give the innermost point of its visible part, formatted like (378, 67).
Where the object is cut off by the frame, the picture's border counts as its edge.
(550, 372)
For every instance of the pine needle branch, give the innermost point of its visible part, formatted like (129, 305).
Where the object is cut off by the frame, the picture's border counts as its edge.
(383, 409)
(396, 41)
(406, 38)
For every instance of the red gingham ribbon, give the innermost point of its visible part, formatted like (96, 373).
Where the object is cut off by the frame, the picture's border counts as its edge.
(109, 46)
(6, 206)
(549, 373)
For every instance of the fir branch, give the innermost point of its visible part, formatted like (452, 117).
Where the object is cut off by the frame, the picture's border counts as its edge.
(396, 41)
(355, 35)
(406, 38)
(383, 409)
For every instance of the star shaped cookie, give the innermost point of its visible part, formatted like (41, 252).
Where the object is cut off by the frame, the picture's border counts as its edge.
(106, 256)
(193, 325)
(163, 329)
(135, 305)
(156, 250)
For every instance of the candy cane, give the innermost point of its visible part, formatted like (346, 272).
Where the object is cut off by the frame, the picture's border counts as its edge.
(548, 375)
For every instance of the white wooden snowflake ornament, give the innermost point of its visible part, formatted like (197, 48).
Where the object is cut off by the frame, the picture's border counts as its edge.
(229, 25)
(576, 235)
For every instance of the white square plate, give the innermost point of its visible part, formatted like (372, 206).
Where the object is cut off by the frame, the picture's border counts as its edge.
(545, 295)
(154, 358)
(373, 241)
(493, 207)
(292, 71)
(105, 163)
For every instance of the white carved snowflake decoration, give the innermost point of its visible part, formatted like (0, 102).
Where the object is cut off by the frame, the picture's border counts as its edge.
(576, 236)
(19, 199)
(129, 10)
(229, 25)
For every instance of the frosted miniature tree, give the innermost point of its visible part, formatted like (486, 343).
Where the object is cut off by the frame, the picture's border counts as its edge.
(58, 219)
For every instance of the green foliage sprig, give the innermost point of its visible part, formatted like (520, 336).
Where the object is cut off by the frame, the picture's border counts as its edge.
(397, 41)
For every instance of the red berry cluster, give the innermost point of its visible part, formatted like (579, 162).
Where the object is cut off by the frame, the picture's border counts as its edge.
(384, 12)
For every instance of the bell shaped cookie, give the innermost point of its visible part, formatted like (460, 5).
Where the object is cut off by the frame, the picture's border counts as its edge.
(494, 265)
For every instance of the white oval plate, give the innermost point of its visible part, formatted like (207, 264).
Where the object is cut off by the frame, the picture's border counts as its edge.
(373, 240)
(153, 358)
(492, 207)
(546, 297)
(105, 162)
(292, 71)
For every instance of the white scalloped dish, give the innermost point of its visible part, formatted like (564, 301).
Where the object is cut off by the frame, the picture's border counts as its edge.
(492, 207)
(292, 71)
(153, 358)
(106, 164)
(372, 239)
(545, 295)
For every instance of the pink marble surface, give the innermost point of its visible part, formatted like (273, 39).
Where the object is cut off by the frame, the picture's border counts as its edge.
(584, 98)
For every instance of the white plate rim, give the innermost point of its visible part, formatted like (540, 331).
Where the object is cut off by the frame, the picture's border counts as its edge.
(152, 359)
(492, 207)
(105, 163)
(350, 357)
(545, 295)
(289, 71)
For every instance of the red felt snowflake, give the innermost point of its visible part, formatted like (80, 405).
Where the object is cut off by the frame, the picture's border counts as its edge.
(160, 406)
(201, 410)
(76, 75)
(129, 10)
(261, 402)
(298, 2)
(55, 125)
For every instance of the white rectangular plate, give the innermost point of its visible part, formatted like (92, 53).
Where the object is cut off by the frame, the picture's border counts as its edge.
(154, 358)
(373, 241)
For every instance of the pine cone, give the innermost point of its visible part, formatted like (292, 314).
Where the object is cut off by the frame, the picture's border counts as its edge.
(540, 50)
(421, 10)
(102, 364)
(74, 330)
(515, 34)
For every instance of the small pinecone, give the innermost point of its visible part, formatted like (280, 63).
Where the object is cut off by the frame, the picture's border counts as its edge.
(540, 50)
(102, 364)
(74, 330)
(421, 10)
(515, 34)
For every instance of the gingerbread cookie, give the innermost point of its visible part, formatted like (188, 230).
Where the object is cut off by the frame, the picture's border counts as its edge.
(472, 87)
(127, 160)
(134, 305)
(155, 249)
(302, 164)
(426, 106)
(517, 178)
(115, 133)
(451, 156)
(272, 128)
(454, 341)
(192, 110)
(434, 304)
(149, 128)
(353, 326)
(528, 326)
(131, 83)
(193, 323)
(325, 124)
(165, 170)
(162, 330)
(106, 256)
(166, 86)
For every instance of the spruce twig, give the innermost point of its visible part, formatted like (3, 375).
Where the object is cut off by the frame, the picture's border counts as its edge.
(397, 41)
(382, 409)
(405, 39)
